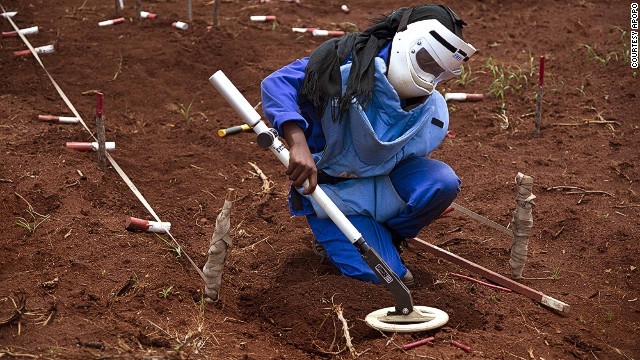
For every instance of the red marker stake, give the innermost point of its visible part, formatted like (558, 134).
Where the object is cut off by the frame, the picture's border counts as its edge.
(428, 340)
(461, 346)
(102, 152)
(539, 98)
(481, 282)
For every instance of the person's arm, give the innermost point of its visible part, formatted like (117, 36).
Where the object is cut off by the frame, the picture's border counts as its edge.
(280, 105)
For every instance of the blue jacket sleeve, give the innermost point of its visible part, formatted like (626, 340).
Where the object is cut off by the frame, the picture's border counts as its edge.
(280, 95)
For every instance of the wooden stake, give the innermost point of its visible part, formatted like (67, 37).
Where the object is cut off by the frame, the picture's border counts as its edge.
(102, 151)
(216, 8)
(137, 10)
(539, 98)
(189, 15)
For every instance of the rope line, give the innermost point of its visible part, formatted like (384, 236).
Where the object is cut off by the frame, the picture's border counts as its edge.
(113, 162)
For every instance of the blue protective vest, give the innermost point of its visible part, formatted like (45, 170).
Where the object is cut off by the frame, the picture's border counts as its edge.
(367, 144)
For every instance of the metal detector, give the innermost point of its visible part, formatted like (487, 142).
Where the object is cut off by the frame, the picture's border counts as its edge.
(404, 317)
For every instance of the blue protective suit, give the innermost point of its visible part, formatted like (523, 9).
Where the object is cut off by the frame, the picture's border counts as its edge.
(395, 191)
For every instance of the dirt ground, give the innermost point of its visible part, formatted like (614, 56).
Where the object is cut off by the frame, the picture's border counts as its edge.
(74, 284)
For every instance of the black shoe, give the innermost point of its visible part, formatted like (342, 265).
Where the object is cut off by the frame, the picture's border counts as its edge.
(408, 279)
(399, 242)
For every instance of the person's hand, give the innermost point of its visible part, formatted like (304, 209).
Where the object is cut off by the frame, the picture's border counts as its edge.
(301, 165)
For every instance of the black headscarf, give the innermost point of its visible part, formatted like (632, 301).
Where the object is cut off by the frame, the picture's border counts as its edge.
(323, 81)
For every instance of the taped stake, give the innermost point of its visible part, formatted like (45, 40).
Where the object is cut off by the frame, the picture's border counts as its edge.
(263, 18)
(218, 249)
(111, 22)
(135, 224)
(90, 146)
(47, 49)
(59, 119)
(180, 25)
(521, 223)
(25, 31)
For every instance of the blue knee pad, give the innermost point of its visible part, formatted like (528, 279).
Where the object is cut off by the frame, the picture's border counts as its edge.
(344, 255)
(428, 186)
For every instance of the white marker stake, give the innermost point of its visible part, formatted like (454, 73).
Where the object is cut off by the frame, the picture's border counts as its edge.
(180, 25)
(25, 31)
(135, 224)
(111, 22)
(345, 9)
(59, 119)
(263, 18)
(303, 30)
(47, 49)
(90, 146)
(9, 14)
(147, 15)
(319, 32)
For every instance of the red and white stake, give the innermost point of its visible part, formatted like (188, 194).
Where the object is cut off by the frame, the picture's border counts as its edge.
(59, 119)
(89, 146)
(147, 15)
(111, 22)
(263, 18)
(25, 31)
(320, 32)
(463, 97)
(47, 49)
(135, 224)
(539, 98)
(180, 25)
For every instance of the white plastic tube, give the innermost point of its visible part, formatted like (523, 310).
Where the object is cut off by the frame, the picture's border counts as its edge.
(111, 22)
(180, 25)
(25, 31)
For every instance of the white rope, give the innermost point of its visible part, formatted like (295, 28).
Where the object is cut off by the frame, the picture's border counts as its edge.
(115, 165)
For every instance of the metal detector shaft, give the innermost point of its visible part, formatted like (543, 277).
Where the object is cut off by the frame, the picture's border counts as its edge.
(268, 137)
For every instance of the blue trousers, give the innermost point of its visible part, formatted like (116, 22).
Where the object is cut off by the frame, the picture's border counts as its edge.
(428, 187)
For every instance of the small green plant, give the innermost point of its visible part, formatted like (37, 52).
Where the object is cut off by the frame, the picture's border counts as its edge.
(185, 111)
(555, 274)
(465, 76)
(624, 49)
(274, 25)
(172, 247)
(36, 220)
(581, 319)
(166, 292)
(610, 316)
(594, 56)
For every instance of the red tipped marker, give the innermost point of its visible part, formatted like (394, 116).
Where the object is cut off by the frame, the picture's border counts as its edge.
(47, 49)
(111, 22)
(180, 25)
(263, 18)
(463, 97)
(25, 31)
(135, 224)
(59, 119)
(320, 32)
(89, 146)
(147, 15)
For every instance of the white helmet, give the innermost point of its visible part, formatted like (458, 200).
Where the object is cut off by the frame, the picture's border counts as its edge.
(423, 55)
